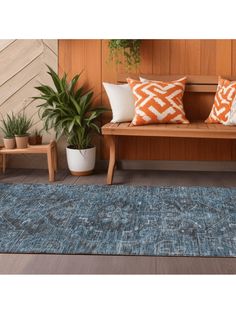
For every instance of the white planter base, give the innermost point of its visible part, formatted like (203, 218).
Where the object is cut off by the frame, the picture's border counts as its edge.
(81, 162)
(81, 173)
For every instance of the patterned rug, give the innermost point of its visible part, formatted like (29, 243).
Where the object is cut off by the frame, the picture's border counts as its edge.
(119, 220)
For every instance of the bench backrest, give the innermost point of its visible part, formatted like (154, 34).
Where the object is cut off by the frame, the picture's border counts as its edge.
(198, 96)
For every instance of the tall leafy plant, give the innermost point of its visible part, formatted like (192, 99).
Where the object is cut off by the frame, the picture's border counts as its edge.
(68, 110)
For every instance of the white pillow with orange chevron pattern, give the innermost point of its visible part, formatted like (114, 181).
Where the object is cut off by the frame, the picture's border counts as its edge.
(158, 102)
(232, 115)
(121, 100)
(221, 109)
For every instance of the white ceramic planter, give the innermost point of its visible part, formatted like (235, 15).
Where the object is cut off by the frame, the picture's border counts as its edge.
(81, 162)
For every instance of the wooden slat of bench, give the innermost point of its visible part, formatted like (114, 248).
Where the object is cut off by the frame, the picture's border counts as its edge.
(195, 83)
(111, 125)
(125, 124)
(222, 127)
(191, 79)
(201, 125)
(201, 88)
(214, 126)
(192, 130)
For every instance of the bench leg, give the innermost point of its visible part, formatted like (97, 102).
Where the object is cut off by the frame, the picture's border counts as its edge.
(112, 159)
(50, 158)
(3, 163)
(55, 157)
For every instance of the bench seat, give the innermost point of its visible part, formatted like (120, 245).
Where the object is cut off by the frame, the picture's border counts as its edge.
(192, 130)
(197, 103)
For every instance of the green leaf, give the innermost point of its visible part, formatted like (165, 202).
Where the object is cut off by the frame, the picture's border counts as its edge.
(93, 125)
(55, 78)
(73, 82)
(63, 84)
(75, 103)
(78, 93)
(71, 125)
(46, 90)
(78, 120)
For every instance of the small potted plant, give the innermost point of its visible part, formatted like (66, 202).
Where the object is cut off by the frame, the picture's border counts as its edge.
(36, 137)
(8, 128)
(22, 126)
(68, 109)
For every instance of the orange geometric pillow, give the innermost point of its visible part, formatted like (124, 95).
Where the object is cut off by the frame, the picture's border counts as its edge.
(225, 94)
(158, 102)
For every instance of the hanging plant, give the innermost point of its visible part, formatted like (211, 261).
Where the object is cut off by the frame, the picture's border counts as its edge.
(129, 48)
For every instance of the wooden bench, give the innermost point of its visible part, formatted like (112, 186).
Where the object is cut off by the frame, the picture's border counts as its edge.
(49, 149)
(196, 129)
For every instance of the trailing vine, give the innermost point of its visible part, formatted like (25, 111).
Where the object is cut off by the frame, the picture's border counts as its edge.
(129, 48)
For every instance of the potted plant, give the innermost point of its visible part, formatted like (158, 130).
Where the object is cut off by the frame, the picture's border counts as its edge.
(8, 128)
(69, 111)
(127, 48)
(36, 137)
(22, 126)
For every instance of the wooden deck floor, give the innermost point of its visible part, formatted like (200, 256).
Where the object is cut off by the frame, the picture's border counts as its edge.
(91, 264)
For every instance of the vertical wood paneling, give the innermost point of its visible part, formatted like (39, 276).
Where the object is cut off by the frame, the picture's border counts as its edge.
(93, 67)
(177, 56)
(223, 57)
(109, 71)
(206, 57)
(146, 56)
(233, 56)
(192, 57)
(83, 56)
(161, 57)
(65, 56)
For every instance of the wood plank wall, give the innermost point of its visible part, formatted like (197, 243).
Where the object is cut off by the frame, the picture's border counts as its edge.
(22, 67)
(196, 57)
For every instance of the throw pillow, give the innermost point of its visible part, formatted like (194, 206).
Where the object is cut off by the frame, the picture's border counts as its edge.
(158, 102)
(225, 95)
(121, 100)
(232, 115)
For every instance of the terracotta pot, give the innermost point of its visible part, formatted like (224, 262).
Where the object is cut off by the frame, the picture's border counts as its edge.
(22, 141)
(9, 143)
(39, 139)
(81, 162)
(35, 140)
(32, 140)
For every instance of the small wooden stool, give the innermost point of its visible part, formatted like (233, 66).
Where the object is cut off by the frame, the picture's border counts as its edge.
(49, 149)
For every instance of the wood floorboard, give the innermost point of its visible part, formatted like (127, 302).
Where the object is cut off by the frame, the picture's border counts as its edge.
(16, 176)
(92, 264)
(88, 264)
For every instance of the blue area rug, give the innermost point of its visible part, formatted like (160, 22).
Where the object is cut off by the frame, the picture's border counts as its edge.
(120, 220)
